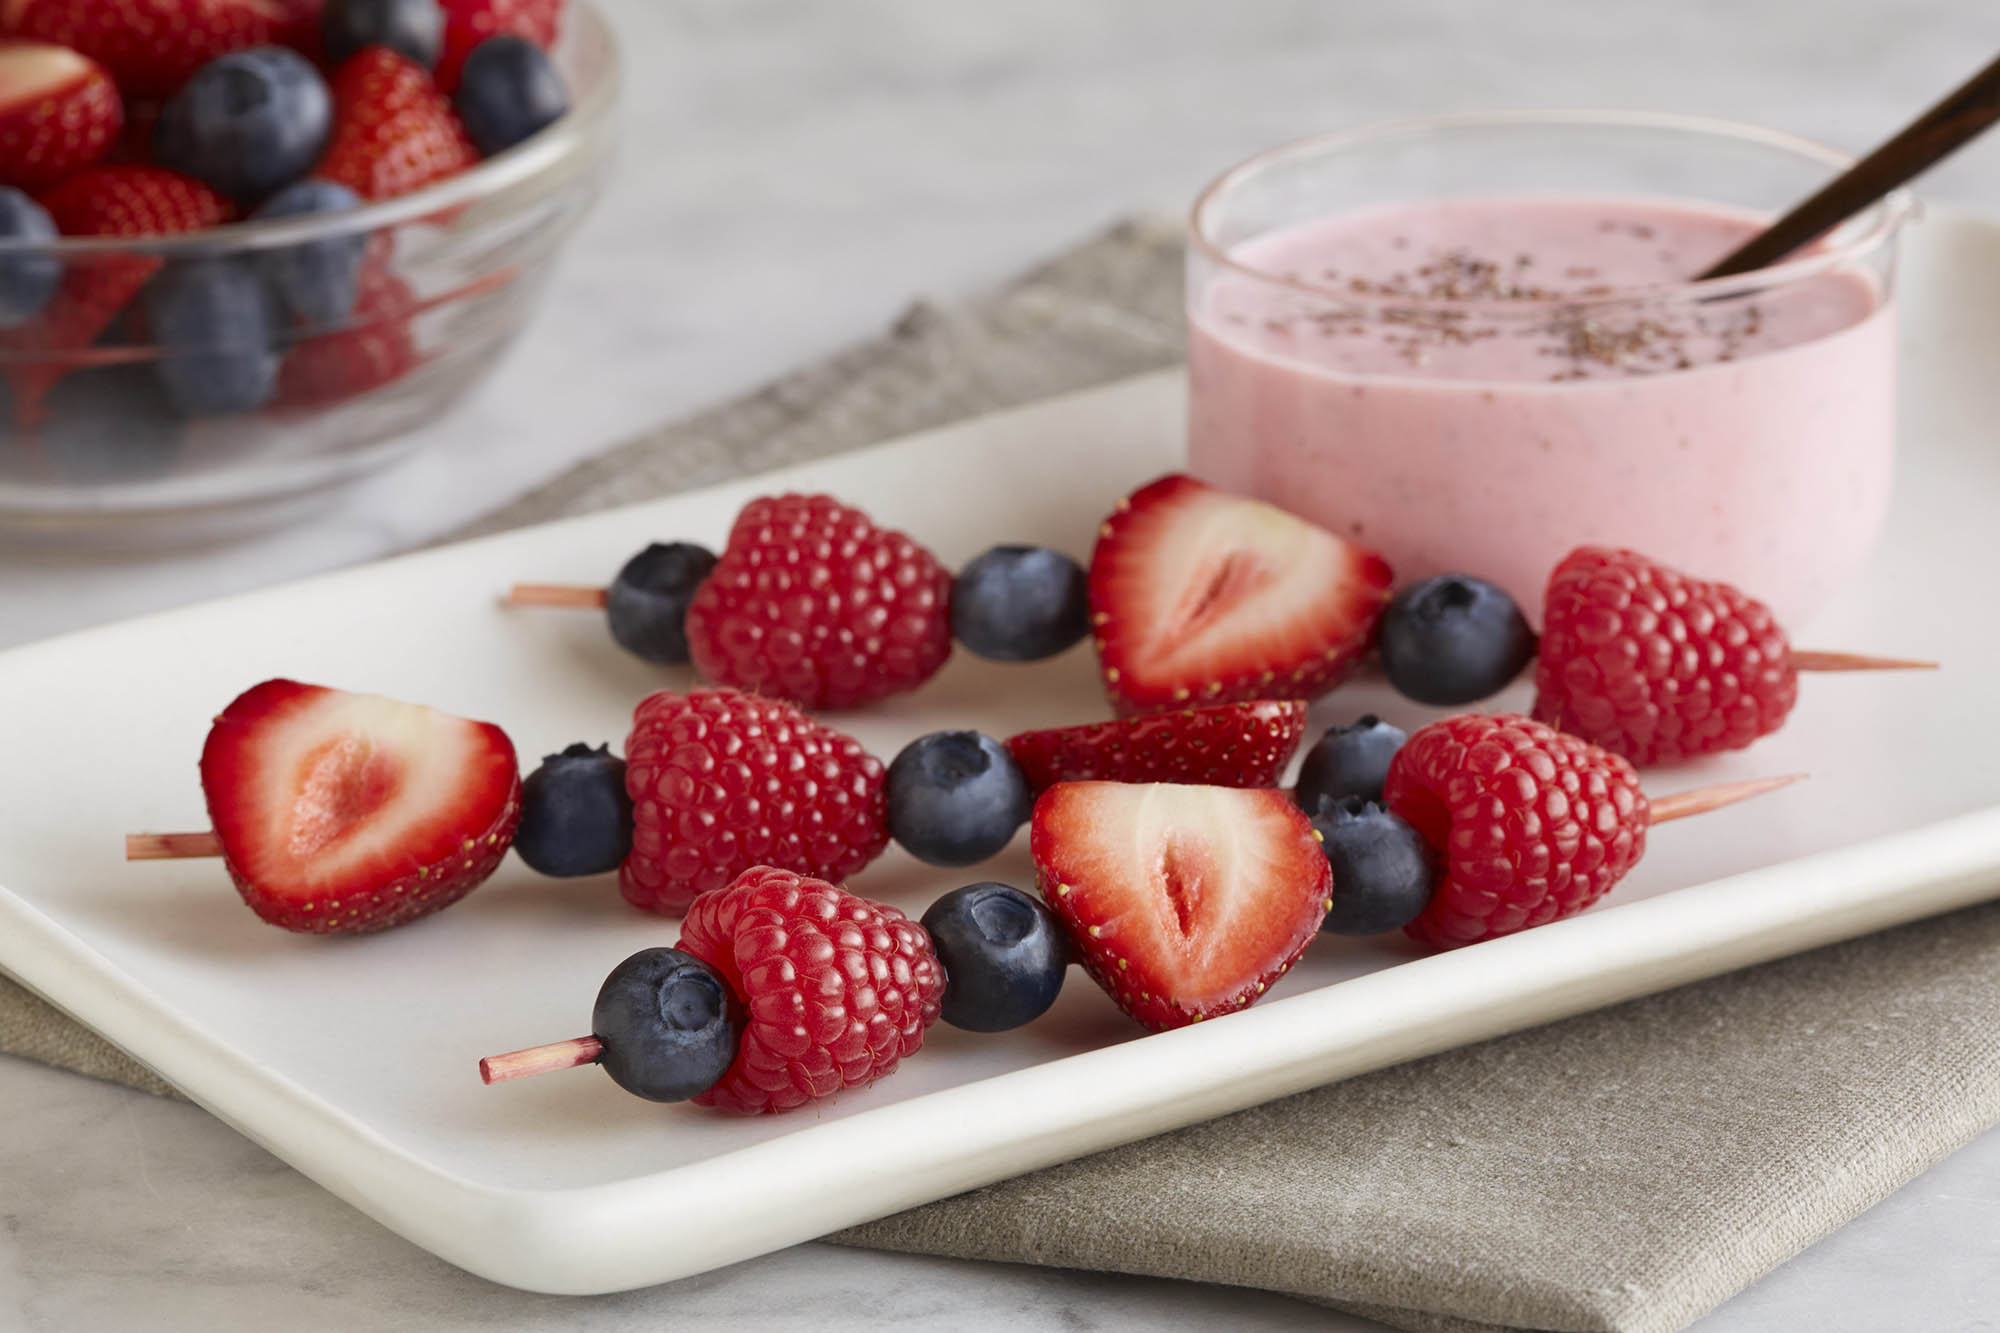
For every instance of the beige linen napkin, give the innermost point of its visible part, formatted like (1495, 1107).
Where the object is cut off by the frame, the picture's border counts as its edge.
(1622, 1171)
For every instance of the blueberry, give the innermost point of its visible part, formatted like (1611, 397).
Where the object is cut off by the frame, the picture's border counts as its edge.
(111, 423)
(247, 123)
(508, 91)
(316, 282)
(669, 1025)
(1020, 604)
(956, 797)
(28, 273)
(648, 601)
(217, 332)
(1381, 868)
(575, 816)
(1454, 640)
(413, 28)
(1003, 953)
(1348, 761)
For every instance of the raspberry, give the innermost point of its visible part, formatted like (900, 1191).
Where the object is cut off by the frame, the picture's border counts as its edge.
(1656, 666)
(722, 781)
(1530, 824)
(836, 989)
(813, 603)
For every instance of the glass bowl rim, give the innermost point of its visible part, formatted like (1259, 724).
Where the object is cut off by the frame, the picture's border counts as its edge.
(535, 156)
(1887, 214)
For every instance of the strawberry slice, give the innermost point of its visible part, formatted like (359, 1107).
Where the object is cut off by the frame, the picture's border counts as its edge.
(1204, 597)
(467, 23)
(1229, 745)
(59, 111)
(393, 131)
(115, 199)
(1182, 902)
(340, 813)
(149, 46)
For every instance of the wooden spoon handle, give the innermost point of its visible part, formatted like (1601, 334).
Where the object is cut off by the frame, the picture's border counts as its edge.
(1962, 116)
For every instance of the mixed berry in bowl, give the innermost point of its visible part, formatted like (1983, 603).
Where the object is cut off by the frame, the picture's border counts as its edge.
(244, 253)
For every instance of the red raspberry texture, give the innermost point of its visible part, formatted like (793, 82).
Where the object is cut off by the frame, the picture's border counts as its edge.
(722, 781)
(813, 603)
(1530, 825)
(1656, 666)
(836, 989)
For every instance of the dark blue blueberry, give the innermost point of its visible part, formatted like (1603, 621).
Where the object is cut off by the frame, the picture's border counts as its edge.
(575, 816)
(1381, 868)
(111, 423)
(247, 123)
(508, 91)
(217, 332)
(648, 601)
(413, 28)
(669, 1025)
(1003, 953)
(956, 797)
(28, 273)
(1348, 761)
(1453, 640)
(1020, 604)
(316, 282)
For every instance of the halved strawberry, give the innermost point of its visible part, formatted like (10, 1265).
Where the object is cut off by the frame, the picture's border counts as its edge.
(113, 199)
(1229, 745)
(1199, 596)
(393, 131)
(467, 23)
(1182, 902)
(149, 46)
(58, 111)
(340, 813)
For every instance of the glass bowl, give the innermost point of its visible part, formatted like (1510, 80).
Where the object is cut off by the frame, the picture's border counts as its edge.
(92, 454)
(1484, 418)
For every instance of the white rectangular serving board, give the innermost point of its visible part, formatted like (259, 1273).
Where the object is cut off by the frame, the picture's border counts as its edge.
(354, 1060)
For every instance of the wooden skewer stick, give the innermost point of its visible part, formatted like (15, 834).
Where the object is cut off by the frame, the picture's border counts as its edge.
(554, 594)
(1703, 799)
(543, 1059)
(170, 846)
(1805, 661)
(578, 597)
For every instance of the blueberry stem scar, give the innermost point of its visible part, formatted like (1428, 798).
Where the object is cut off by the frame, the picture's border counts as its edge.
(554, 594)
(1703, 799)
(170, 846)
(1805, 661)
(543, 1059)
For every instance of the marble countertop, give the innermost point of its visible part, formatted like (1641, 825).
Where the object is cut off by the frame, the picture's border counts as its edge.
(793, 176)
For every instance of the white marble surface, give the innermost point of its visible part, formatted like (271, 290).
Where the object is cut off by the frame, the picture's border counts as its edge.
(795, 174)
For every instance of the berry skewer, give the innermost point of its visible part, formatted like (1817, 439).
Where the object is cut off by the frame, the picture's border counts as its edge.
(1193, 597)
(341, 813)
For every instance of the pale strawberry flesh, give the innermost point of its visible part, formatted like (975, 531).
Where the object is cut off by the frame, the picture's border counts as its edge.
(58, 112)
(1199, 596)
(1229, 745)
(340, 813)
(1183, 902)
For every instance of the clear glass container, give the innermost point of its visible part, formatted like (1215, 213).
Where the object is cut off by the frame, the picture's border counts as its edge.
(91, 454)
(1487, 412)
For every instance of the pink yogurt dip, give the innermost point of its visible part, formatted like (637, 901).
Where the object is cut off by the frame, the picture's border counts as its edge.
(1749, 440)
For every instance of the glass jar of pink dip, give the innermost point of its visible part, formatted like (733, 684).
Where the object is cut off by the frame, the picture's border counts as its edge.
(1471, 343)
